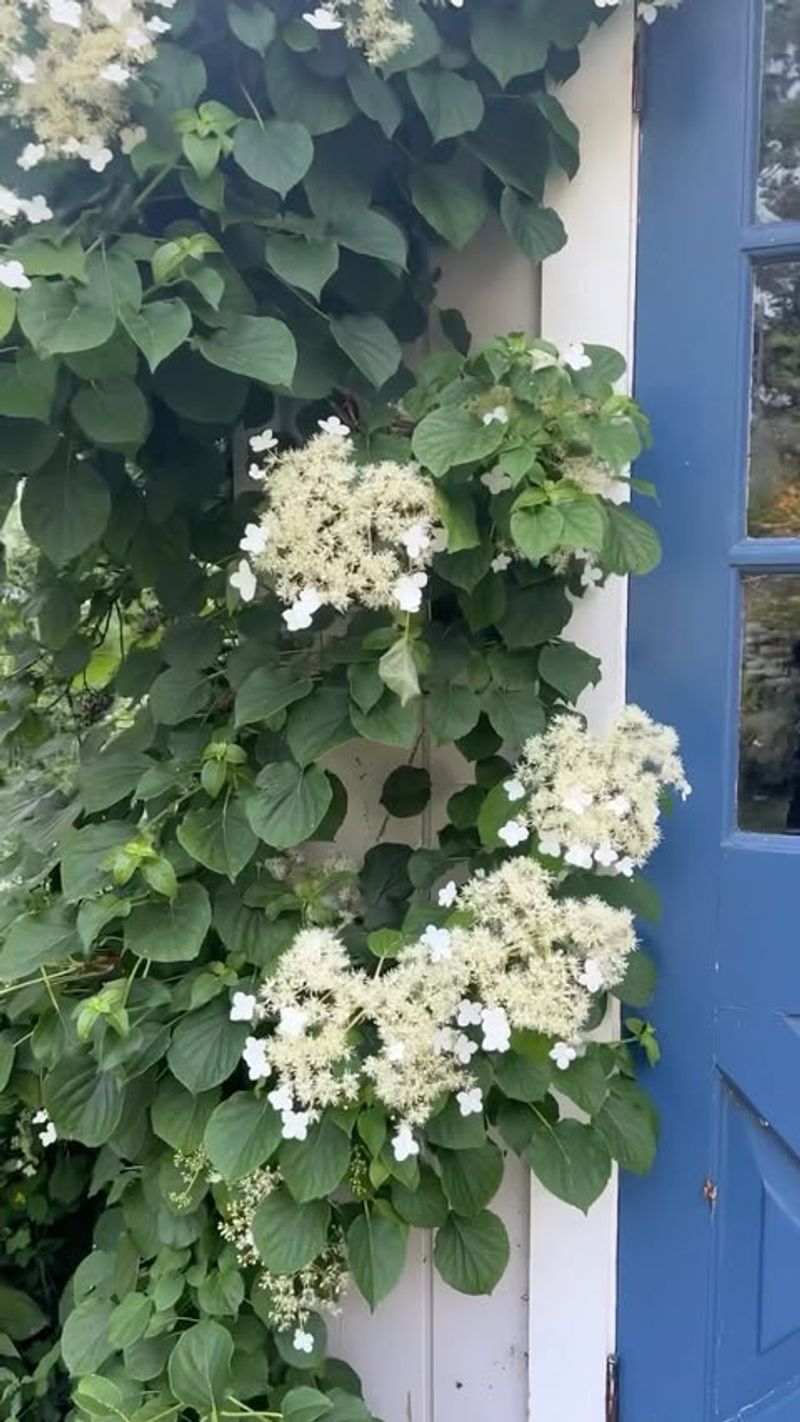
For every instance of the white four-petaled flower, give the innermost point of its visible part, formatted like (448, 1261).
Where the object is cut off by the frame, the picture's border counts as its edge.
(48, 1135)
(497, 416)
(65, 12)
(620, 806)
(131, 136)
(550, 846)
(513, 833)
(591, 977)
(605, 855)
(500, 563)
(437, 942)
(303, 1342)
(415, 540)
(577, 801)
(403, 1144)
(294, 1125)
(470, 1103)
(262, 443)
(243, 1007)
(463, 1048)
(514, 789)
(116, 74)
(244, 581)
(333, 425)
(563, 1054)
(579, 855)
(407, 591)
(292, 1022)
(255, 538)
(254, 1056)
(24, 69)
(396, 1051)
(31, 154)
(12, 275)
(575, 357)
(322, 19)
(448, 895)
(301, 613)
(469, 1013)
(496, 1029)
(281, 1097)
(496, 480)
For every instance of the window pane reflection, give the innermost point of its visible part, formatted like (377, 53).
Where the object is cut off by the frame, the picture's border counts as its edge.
(774, 495)
(778, 197)
(769, 728)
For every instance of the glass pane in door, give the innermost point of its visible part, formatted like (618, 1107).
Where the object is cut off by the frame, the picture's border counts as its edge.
(769, 723)
(778, 193)
(774, 489)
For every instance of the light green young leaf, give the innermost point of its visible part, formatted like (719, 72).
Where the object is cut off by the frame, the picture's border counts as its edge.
(398, 670)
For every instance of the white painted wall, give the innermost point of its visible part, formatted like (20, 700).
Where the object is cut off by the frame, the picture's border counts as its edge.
(536, 1350)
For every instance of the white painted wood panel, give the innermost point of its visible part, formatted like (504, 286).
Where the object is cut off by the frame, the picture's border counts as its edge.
(535, 1351)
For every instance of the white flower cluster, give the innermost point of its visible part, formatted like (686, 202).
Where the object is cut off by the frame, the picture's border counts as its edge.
(310, 1002)
(337, 533)
(595, 801)
(291, 1299)
(371, 25)
(64, 69)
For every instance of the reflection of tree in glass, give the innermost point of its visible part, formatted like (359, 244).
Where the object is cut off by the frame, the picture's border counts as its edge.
(769, 759)
(775, 438)
(779, 178)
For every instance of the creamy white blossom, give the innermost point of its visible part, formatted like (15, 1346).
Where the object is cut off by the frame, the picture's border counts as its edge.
(322, 19)
(31, 155)
(352, 532)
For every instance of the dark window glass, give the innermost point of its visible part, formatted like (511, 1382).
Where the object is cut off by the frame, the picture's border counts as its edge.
(769, 724)
(774, 493)
(778, 196)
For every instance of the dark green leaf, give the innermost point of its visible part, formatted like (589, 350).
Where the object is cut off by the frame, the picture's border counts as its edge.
(219, 837)
(453, 207)
(318, 723)
(538, 231)
(571, 1160)
(631, 546)
(471, 1178)
(242, 1133)
(200, 1367)
(305, 262)
(288, 804)
(628, 1122)
(255, 346)
(370, 344)
(170, 930)
(569, 669)
(275, 153)
(65, 509)
(471, 1255)
(84, 1102)
(268, 690)
(158, 328)
(450, 104)
(313, 1168)
(406, 791)
(206, 1046)
(376, 1254)
(289, 1235)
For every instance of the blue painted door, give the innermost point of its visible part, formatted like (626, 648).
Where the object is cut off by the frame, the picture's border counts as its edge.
(710, 1252)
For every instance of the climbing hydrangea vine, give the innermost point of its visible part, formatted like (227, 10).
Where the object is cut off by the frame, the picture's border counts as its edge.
(249, 534)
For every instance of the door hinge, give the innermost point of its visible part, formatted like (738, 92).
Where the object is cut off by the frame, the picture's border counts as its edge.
(612, 1388)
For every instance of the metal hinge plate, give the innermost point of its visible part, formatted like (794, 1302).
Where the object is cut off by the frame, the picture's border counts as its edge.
(612, 1388)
